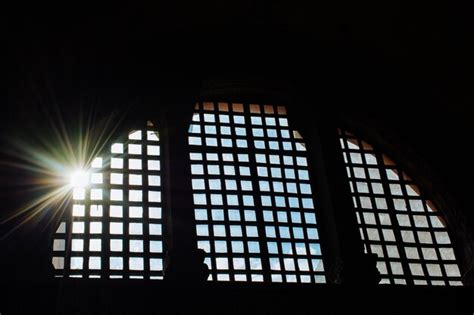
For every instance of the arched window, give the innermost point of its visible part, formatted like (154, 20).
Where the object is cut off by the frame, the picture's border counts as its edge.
(115, 227)
(396, 222)
(254, 210)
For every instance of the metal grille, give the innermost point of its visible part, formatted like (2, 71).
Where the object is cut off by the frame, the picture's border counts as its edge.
(254, 209)
(396, 222)
(115, 227)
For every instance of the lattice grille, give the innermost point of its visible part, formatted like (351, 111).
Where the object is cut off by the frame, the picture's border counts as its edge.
(395, 221)
(254, 209)
(115, 228)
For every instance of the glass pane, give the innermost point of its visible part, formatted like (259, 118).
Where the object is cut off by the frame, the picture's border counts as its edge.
(385, 192)
(227, 201)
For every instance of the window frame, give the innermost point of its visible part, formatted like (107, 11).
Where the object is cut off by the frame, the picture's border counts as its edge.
(421, 174)
(119, 135)
(334, 242)
(251, 151)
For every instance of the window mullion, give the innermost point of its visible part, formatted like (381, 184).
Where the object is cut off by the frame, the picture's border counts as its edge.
(340, 203)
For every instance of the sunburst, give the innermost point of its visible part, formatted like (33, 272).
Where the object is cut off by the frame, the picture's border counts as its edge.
(57, 163)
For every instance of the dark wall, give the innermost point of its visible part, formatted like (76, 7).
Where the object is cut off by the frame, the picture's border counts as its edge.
(403, 69)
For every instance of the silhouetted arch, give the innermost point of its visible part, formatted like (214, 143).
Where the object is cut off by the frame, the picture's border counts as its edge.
(396, 221)
(114, 229)
(254, 209)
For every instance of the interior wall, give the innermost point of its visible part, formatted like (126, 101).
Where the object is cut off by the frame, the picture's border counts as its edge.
(394, 66)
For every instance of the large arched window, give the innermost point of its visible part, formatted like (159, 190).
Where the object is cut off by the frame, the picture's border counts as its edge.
(253, 206)
(396, 222)
(115, 227)
(254, 210)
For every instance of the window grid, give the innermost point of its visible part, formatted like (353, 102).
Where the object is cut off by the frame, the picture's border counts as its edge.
(395, 222)
(271, 181)
(122, 238)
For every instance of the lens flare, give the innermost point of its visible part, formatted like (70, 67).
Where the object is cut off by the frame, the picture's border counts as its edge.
(79, 179)
(53, 164)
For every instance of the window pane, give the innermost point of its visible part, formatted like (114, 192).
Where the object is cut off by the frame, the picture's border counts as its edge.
(398, 206)
(116, 209)
(227, 202)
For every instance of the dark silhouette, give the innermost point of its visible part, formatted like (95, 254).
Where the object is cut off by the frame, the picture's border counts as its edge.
(399, 73)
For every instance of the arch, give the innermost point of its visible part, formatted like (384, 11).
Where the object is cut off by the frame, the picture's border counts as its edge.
(396, 222)
(254, 208)
(114, 229)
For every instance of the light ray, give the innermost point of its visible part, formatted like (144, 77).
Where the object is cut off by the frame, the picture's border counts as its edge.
(54, 163)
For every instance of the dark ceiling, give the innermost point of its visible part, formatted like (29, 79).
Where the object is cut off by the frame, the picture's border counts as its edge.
(407, 65)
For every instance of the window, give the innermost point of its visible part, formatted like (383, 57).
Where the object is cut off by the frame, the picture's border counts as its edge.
(115, 226)
(254, 208)
(396, 222)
